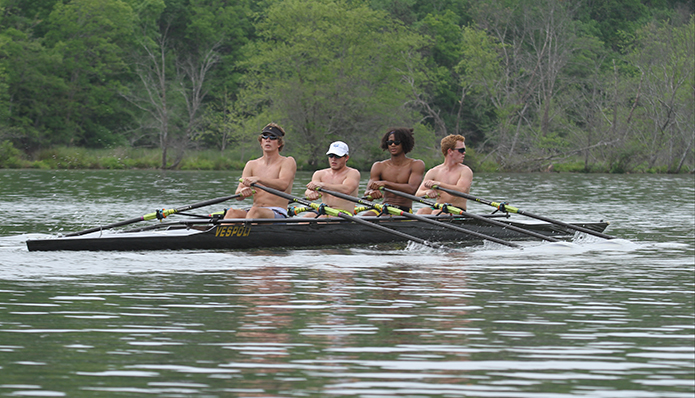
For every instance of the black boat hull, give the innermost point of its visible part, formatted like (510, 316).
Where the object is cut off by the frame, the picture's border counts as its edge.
(294, 233)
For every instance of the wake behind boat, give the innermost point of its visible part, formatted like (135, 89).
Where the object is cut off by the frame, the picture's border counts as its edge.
(240, 234)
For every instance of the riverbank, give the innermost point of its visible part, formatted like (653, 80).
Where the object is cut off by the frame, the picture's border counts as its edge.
(125, 158)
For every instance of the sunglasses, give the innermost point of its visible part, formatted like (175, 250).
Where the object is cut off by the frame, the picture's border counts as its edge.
(269, 137)
(334, 156)
(461, 150)
(392, 142)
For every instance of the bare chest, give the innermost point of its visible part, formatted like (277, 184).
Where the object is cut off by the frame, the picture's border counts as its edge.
(397, 173)
(448, 176)
(334, 178)
(265, 170)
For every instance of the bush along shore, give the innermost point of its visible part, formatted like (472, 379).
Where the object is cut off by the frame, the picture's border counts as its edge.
(124, 158)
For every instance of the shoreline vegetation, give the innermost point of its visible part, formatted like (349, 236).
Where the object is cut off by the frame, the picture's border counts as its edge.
(534, 86)
(125, 158)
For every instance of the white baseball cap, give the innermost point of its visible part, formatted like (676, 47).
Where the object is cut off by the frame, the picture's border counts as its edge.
(338, 148)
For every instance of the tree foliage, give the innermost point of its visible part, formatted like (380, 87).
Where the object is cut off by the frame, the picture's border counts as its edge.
(91, 37)
(664, 58)
(330, 70)
(529, 83)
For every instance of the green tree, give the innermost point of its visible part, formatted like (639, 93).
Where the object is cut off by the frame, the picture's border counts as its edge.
(410, 12)
(665, 57)
(92, 37)
(4, 93)
(537, 44)
(215, 36)
(440, 99)
(589, 109)
(439, 96)
(330, 70)
(27, 75)
(229, 26)
(155, 91)
(616, 20)
(180, 45)
(27, 16)
(34, 91)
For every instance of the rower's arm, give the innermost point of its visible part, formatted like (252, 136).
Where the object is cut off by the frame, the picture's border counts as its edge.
(315, 182)
(423, 190)
(374, 178)
(348, 185)
(288, 169)
(283, 182)
(242, 189)
(463, 184)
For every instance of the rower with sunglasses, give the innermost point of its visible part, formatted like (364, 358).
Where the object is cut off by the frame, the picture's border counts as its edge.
(399, 172)
(451, 174)
(272, 170)
(338, 178)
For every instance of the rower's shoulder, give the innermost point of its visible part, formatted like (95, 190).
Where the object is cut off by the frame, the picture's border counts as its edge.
(288, 161)
(320, 173)
(250, 164)
(379, 165)
(417, 164)
(353, 172)
(465, 169)
(436, 169)
(460, 171)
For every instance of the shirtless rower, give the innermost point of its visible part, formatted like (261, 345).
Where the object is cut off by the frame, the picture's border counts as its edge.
(272, 170)
(338, 178)
(399, 172)
(451, 174)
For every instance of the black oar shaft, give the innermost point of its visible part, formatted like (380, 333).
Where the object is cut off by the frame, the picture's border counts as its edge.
(421, 218)
(103, 227)
(150, 216)
(348, 217)
(504, 207)
(474, 216)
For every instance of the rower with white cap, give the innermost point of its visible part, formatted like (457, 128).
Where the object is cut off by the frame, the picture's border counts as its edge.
(338, 177)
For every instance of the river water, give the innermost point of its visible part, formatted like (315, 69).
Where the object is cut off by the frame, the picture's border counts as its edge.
(589, 318)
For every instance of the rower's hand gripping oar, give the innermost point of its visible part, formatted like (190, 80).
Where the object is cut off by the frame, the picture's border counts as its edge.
(455, 210)
(343, 214)
(398, 212)
(511, 209)
(159, 214)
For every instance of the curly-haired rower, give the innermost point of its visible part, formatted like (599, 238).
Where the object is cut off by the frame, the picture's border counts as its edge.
(403, 135)
(399, 172)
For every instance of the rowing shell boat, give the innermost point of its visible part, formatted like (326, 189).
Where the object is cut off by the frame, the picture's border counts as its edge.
(292, 233)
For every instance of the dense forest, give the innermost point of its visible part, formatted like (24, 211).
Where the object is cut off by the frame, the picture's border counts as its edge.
(585, 85)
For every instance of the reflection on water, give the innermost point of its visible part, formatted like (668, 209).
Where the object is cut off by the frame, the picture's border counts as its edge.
(590, 318)
(453, 327)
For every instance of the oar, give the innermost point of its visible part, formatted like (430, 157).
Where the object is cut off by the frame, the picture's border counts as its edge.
(159, 214)
(293, 211)
(453, 209)
(511, 209)
(398, 212)
(343, 214)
